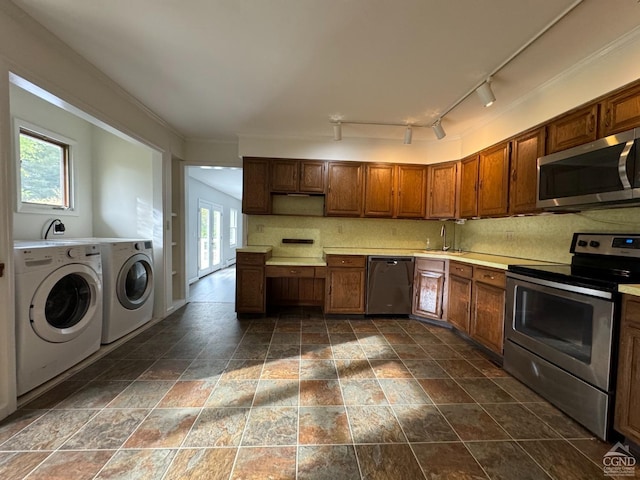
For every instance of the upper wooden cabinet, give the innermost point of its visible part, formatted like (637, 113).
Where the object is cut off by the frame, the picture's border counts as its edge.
(469, 187)
(256, 198)
(573, 129)
(344, 190)
(395, 191)
(443, 190)
(527, 148)
(620, 111)
(493, 181)
(298, 176)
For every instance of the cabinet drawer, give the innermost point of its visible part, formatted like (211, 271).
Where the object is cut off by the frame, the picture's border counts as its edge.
(497, 278)
(461, 269)
(289, 271)
(346, 261)
(250, 258)
(431, 265)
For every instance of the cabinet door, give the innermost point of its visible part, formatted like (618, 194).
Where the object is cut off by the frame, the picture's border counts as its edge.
(523, 193)
(312, 175)
(469, 187)
(379, 185)
(344, 195)
(573, 129)
(459, 310)
(345, 290)
(284, 175)
(411, 201)
(255, 184)
(487, 322)
(428, 287)
(620, 112)
(493, 183)
(627, 412)
(250, 291)
(443, 181)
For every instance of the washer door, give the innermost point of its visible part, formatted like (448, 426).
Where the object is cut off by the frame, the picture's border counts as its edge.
(135, 282)
(65, 303)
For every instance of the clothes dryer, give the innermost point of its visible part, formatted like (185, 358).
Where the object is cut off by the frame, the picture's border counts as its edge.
(58, 308)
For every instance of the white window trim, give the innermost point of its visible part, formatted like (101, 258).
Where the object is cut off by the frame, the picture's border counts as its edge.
(21, 207)
(231, 212)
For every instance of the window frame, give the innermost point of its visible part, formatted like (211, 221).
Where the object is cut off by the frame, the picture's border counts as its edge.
(233, 227)
(68, 144)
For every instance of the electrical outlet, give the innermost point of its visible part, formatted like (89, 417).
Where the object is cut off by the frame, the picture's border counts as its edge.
(340, 229)
(509, 236)
(260, 228)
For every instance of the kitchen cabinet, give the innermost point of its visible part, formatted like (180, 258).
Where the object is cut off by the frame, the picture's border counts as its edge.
(488, 300)
(443, 190)
(527, 148)
(573, 129)
(298, 176)
(255, 185)
(429, 288)
(460, 287)
(250, 282)
(345, 284)
(493, 181)
(295, 285)
(379, 190)
(620, 111)
(411, 201)
(344, 190)
(627, 411)
(395, 191)
(469, 186)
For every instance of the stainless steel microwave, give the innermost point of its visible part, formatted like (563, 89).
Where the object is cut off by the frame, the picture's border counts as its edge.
(601, 173)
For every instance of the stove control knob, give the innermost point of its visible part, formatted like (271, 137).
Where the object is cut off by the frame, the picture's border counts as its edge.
(582, 243)
(594, 243)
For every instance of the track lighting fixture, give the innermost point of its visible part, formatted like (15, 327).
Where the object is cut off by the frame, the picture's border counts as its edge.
(408, 133)
(337, 131)
(486, 94)
(438, 129)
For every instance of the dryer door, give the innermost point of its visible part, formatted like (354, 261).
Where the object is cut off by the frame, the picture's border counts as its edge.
(65, 303)
(135, 281)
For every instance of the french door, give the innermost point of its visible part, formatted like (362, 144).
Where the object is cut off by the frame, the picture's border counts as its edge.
(209, 237)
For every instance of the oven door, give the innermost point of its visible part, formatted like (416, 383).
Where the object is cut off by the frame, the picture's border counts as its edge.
(572, 327)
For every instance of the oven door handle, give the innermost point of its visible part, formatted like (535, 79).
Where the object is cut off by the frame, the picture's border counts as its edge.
(561, 286)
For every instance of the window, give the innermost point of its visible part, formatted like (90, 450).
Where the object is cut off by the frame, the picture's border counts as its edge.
(44, 170)
(233, 227)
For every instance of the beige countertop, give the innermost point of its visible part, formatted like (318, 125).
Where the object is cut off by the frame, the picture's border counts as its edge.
(630, 289)
(297, 261)
(255, 249)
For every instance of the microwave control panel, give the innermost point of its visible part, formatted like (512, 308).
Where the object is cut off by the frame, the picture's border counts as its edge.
(615, 244)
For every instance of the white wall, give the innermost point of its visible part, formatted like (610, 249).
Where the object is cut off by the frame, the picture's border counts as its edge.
(199, 191)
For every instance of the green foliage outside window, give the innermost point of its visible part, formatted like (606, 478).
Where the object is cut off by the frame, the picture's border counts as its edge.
(43, 171)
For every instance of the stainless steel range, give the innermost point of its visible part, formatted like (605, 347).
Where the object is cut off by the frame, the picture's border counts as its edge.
(562, 321)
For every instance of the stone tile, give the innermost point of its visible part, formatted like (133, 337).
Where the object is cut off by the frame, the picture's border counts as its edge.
(404, 390)
(399, 338)
(283, 351)
(348, 351)
(289, 338)
(489, 369)
(189, 393)
(327, 462)
(374, 424)
(54, 396)
(448, 461)
(519, 422)
(323, 425)
(163, 428)
(320, 392)
(364, 326)
(350, 369)
(460, 369)
(318, 370)
(222, 351)
(390, 369)
(271, 426)
(72, 465)
(108, 430)
(141, 394)
(316, 352)
(15, 466)
(243, 370)
(315, 338)
(561, 459)
(557, 420)
(17, 421)
(233, 393)
(218, 427)
(277, 463)
(372, 339)
(505, 461)
(202, 464)
(409, 352)
(129, 369)
(483, 390)
(426, 338)
(362, 391)
(339, 326)
(595, 449)
(165, 370)
(97, 368)
(137, 465)
(255, 338)
(205, 369)
(471, 422)
(445, 390)
(413, 326)
(424, 423)
(441, 352)
(379, 352)
(281, 369)
(277, 393)
(251, 352)
(96, 394)
(425, 369)
(387, 462)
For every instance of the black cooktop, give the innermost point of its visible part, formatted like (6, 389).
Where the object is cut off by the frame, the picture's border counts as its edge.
(572, 275)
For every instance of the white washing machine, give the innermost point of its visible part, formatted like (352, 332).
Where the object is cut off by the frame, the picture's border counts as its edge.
(127, 272)
(58, 308)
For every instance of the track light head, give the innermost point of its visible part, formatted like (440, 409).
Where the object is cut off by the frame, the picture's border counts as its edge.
(337, 131)
(438, 129)
(486, 94)
(408, 134)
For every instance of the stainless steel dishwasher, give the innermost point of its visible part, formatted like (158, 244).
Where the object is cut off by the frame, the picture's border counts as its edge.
(389, 285)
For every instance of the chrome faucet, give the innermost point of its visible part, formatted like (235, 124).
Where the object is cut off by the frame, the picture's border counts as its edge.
(443, 234)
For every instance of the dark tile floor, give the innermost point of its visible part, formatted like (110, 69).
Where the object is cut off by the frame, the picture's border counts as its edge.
(202, 395)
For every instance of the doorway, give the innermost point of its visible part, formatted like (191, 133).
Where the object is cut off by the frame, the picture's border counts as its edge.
(209, 237)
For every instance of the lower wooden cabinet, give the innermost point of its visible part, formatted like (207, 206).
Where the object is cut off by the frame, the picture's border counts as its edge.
(345, 284)
(460, 287)
(429, 288)
(627, 412)
(487, 314)
(250, 282)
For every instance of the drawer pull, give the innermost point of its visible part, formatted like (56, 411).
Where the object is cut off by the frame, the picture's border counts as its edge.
(459, 269)
(293, 271)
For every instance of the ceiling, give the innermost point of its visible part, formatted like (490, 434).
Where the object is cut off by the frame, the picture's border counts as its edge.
(224, 179)
(220, 69)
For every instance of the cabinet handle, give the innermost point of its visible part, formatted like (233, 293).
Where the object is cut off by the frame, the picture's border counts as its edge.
(293, 271)
(592, 123)
(486, 275)
(459, 269)
(607, 117)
